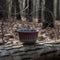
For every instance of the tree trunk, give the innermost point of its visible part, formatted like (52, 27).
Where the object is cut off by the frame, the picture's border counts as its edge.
(3, 8)
(13, 8)
(58, 10)
(55, 9)
(48, 16)
(9, 4)
(39, 16)
(42, 10)
(29, 10)
(18, 10)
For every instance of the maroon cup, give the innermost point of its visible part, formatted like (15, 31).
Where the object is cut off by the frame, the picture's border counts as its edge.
(28, 36)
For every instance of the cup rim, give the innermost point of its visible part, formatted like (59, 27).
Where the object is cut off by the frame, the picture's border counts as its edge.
(27, 30)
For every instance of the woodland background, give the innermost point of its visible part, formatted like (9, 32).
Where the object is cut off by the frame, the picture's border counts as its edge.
(15, 14)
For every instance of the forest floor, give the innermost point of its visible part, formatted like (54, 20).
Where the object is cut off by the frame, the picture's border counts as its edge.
(8, 31)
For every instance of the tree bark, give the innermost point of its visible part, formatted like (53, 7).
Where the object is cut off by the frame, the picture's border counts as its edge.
(39, 15)
(9, 4)
(18, 10)
(3, 8)
(48, 16)
(55, 9)
(29, 10)
(58, 10)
